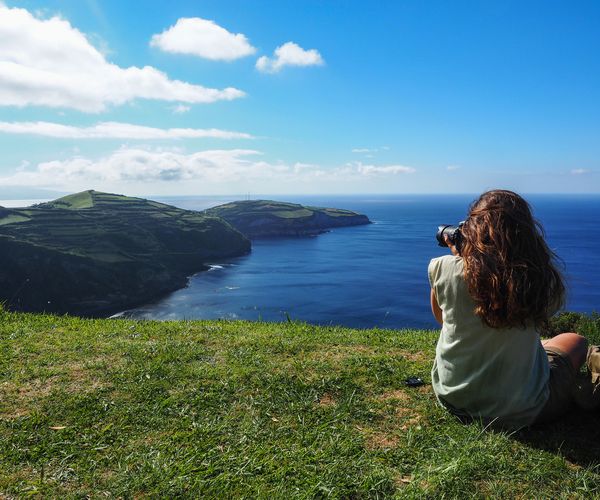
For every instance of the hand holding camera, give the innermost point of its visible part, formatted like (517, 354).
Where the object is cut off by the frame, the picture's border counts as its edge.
(450, 236)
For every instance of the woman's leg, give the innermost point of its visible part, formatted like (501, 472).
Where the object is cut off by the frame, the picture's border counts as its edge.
(566, 354)
(574, 346)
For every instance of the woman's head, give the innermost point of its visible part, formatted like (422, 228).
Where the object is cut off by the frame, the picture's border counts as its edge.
(509, 269)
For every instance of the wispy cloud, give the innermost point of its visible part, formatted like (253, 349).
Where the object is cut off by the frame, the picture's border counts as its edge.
(210, 167)
(179, 109)
(141, 165)
(51, 63)
(384, 169)
(203, 38)
(115, 130)
(370, 150)
(289, 54)
(452, 168)
(580, 171)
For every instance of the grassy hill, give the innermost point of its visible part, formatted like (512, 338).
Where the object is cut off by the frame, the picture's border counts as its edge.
(266, 218)
(217, 409)
(93, 252)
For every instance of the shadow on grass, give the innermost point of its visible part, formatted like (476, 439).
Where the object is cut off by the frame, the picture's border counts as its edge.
(576, 437)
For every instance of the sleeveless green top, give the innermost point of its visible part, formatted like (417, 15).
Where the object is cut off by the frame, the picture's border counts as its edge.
(499, 376)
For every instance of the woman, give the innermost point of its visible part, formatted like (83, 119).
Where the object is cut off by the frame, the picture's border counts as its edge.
(492, 300)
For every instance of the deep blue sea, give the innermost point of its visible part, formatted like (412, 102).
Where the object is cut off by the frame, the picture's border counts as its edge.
(369, 276)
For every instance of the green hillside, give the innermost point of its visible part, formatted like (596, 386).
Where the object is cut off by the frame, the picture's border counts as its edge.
(217, 409)
(95, 252)
(85, 199)
(265, 218)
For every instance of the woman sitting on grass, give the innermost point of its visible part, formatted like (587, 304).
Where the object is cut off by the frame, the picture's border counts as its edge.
(492, 301)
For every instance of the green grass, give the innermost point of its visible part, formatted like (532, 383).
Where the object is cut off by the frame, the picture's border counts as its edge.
(334, 212)
(13, 219)
(292, 214)
(124, 408)
(257, 208)
(75, 201)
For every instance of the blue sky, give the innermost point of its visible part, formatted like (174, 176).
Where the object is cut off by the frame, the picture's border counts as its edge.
(364, 97)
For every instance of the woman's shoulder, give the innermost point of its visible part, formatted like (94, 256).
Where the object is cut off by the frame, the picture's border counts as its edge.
(447, 258)
(446, 262)
(445, 266)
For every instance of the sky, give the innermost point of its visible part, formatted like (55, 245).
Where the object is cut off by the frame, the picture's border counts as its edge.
(219, 97)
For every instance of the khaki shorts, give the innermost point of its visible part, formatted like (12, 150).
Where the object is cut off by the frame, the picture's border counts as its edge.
(561, 383)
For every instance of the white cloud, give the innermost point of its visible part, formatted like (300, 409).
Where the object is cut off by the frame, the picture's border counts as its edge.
(308, 169)
(23, 166)
(51, 63)
(370, 151)
(203, 38)
(218, 169)
(146, 165)
(580, 171)
(289, 54)
(452, 168)
(115, 130)
(369, 170)
(179, 109)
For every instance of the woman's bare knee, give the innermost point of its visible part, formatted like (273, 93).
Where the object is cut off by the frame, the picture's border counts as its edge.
(575, 346)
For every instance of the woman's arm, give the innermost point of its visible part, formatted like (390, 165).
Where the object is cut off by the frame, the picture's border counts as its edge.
(435, 308)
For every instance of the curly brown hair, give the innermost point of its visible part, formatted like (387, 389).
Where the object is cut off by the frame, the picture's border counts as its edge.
(509, 269)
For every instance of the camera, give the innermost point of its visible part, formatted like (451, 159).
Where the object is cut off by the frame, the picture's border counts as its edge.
(454, 235)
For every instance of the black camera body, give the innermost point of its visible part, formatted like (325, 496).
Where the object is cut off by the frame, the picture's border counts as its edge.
(454, 234)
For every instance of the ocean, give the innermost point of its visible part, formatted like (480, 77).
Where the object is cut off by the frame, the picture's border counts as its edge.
(368, 276)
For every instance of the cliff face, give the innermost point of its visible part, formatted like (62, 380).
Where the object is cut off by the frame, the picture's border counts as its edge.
(263, 219)
(94, 253)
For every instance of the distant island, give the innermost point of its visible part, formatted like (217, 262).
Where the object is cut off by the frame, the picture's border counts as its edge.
(265, 218)
(95, 253)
